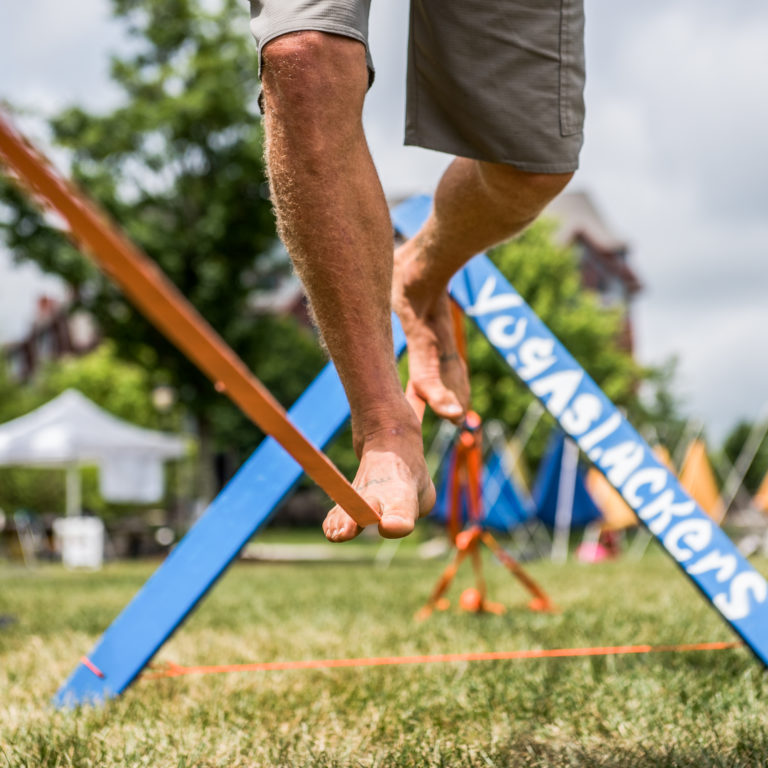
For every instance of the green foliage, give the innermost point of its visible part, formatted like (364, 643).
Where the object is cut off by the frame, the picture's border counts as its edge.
(733, 446)
(124, 389)
(661, 409)
(14, 399)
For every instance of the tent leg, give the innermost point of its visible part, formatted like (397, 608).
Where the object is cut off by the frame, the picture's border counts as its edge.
(639, 544)
(74, 491)
(565, 497)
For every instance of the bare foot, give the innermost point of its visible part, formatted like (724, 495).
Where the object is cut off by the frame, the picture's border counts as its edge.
(393, 479)
(437, 373)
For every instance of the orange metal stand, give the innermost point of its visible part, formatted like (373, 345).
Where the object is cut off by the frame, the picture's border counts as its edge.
(466, 478)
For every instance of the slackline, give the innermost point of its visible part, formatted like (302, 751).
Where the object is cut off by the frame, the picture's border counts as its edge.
(169, 669)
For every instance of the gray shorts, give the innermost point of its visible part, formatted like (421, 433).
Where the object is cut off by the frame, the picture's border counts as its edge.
(495, 80)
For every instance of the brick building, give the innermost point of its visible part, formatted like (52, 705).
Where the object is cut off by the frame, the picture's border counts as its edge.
(603, 256)
(56, 331)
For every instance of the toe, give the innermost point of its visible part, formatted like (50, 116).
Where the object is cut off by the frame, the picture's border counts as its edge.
(399, 517)
(427, 498)
(441, 400)
(339, 526)
(396, 525)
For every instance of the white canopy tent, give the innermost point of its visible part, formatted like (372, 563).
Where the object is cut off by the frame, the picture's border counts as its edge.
(70, 432)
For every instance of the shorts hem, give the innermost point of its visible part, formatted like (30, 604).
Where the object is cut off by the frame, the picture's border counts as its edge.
(334, 29)
(521, 165)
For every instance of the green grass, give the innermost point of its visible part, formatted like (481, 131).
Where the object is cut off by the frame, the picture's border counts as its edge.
(685, 709)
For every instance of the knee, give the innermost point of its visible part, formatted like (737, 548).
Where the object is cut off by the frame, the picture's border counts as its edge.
(522, 189)
(306, 74)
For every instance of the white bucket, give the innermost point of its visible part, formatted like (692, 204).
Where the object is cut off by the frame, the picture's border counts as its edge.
(80, 541)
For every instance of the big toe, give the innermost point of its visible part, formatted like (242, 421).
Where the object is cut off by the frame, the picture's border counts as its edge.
(399, 518)
(396, 524)
(441, 400)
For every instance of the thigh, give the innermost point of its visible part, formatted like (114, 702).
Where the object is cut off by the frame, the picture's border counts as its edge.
(498, 80)
(272, 18)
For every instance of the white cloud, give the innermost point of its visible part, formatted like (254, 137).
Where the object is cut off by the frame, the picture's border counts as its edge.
(58, 53)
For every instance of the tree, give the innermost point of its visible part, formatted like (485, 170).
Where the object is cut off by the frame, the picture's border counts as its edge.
(660, 408)
(180, 166)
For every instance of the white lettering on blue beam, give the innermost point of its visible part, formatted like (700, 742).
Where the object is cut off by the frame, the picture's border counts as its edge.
(506, 332)
(585, 410)
(683, 530)
(734, 604)
(486, 302)
(724, 565)
(659, 513)
(654, 477)
(695, 534)
(536, 357)
(620, 461)
(599, 433)
(557, 389)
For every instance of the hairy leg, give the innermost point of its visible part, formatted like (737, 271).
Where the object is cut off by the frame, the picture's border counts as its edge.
(333, 218)
(477, 205)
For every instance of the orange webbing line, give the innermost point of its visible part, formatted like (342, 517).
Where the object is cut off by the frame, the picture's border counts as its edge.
(173, 670)
(460, 480)
(163, 304)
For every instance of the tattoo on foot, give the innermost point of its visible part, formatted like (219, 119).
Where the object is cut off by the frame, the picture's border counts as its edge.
(376, 481)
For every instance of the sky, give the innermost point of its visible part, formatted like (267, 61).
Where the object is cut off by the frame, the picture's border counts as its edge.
(675, 157)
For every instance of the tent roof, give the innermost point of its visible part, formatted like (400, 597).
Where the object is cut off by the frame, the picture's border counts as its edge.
(70, 429)
(761, 497)
(697, 477)
(616, 513)
(546, 489)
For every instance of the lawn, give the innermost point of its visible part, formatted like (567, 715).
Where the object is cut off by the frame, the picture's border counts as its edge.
(671, 709)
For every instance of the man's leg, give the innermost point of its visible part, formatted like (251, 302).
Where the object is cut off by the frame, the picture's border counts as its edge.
(477, 205)
(333, 218)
